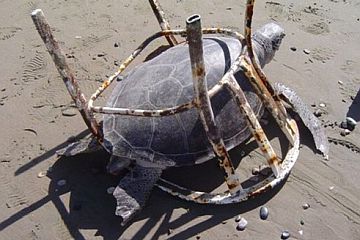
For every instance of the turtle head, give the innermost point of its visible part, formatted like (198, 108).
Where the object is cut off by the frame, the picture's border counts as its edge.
(267, 41)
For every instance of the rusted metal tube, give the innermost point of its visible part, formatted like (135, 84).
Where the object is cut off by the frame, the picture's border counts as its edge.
(269, 102)
(253, 123)
(67, 75)
(145, 113)
(164, 24)
(194, 39)
(274, 104)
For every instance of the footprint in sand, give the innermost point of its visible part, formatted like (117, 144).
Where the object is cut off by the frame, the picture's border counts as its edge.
(34, 68)
(322, 54)
(317, 28)
(8, 32)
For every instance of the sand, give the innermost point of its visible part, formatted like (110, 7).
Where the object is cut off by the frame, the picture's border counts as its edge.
(38, 118)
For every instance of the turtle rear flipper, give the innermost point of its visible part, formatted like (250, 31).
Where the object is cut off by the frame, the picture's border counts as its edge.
(133, 191)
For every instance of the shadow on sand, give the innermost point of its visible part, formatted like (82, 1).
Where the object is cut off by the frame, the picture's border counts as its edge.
(92, 208)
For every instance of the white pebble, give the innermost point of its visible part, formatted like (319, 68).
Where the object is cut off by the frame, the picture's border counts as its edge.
(285, 235)
(305, 206)
(301, 232)
(322, 105)
(42, 174)
(331, 188)
(351, 121)
(340, 82)
(61, 182)
(242, 224)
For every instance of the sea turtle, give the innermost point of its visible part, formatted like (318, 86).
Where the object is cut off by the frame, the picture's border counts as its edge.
(177, 140)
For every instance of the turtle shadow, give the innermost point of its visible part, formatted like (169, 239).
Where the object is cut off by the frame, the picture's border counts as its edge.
(90, 207)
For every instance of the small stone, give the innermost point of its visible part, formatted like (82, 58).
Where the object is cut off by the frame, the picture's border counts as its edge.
(42, 174)
(306, 51)
(69, 112)
(293, 49)
(340, 82)
(305, 206)
(78, 37)
(169, 231)
(255, 171)
(351, 123)
(301, 232)
(345, 132)
(302, 222)
(264, 213)
(198, 237)
(101, 54)
(331, 188)
(110, 190)
(285, 235)
(228, 8)
(116, 45)
(61, 182)
(318, 113)
(238, 218)
(322, 105)
(242, 224)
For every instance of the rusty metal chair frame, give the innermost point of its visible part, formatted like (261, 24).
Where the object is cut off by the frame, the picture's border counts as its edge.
(246, 61)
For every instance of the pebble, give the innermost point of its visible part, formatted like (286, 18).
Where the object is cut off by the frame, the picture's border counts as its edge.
(255, 171)
(302, 222)
(306, 51)
(61, 182)
(101, 54)
(305, 206)
(293, 49)
(351, 123)
(42, 174)
(264, 213)
(301, 232)
(242, 224)
(285, 235)
(331, 188)
(322, 105)
(340, 82)
(116, 45)
(69, 112)
(345, 132)
(318, 113)
(238, 218)
(78, 37)
(110, 190)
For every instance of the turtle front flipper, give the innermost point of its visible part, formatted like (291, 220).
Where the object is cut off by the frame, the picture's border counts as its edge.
(86, 145)
(308, 118)
(133, 191)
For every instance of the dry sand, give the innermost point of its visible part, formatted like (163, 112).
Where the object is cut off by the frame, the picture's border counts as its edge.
(32, 99)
